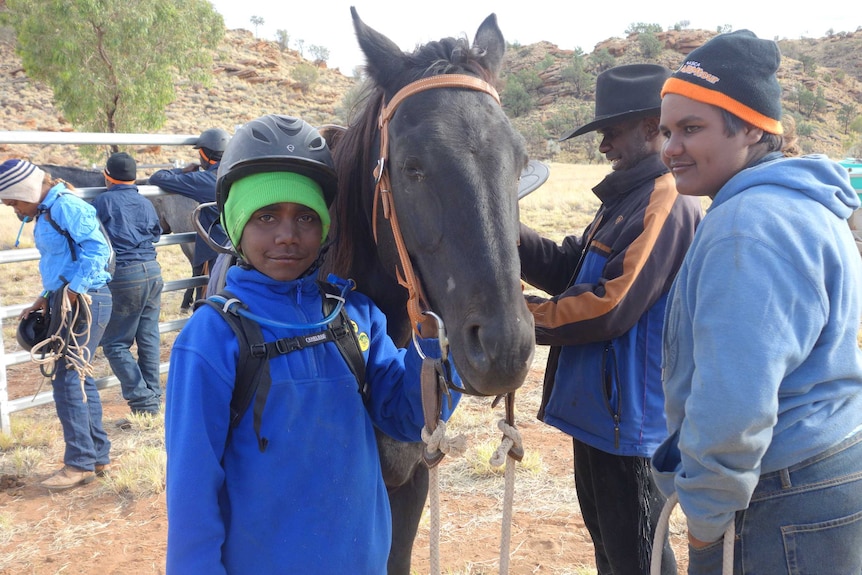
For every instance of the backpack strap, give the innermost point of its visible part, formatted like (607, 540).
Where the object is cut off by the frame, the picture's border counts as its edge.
(62, 232)
(252, 367)
(110, 265)
(345, 337)
(253, 379)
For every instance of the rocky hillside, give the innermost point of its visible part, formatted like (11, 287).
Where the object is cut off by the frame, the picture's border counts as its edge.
(253, 77)
(829, 68)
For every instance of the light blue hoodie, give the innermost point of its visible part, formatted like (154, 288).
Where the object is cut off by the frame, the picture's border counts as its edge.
(761, 364)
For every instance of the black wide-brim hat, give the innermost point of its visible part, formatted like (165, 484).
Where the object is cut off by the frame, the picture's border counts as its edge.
(625, 93)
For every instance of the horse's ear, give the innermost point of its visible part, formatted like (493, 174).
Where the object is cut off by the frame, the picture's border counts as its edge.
(332, 133)
(382, 55)
(489, 42)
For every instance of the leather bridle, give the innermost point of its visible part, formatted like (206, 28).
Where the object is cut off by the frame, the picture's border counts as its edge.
(417, 303)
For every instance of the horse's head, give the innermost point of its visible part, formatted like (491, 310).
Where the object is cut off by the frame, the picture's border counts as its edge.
(453, 162)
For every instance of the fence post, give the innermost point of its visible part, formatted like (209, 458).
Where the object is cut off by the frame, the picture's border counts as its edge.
(5, 423)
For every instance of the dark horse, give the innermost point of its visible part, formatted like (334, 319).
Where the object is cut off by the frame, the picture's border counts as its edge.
(453, 165)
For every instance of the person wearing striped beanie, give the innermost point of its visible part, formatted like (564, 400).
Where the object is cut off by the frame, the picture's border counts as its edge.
(762, 371)
(72, 265)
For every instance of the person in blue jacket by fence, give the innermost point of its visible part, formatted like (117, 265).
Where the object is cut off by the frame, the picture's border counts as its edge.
(73, 266)
(295, 486)
(197, 181)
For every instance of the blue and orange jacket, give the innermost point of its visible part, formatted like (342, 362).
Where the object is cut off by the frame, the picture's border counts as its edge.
(609, 291)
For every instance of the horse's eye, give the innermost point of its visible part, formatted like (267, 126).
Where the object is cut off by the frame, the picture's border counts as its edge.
(413, 170)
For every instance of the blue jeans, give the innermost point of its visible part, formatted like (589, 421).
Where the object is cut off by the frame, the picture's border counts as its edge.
(87, 443)
(137, 292)
(803, 519)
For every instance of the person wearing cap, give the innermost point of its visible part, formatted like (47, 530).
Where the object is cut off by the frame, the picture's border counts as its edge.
(296, 485)
(608, 289)
(74, 255)
(133, 226)
(763, 371)
(197, 181)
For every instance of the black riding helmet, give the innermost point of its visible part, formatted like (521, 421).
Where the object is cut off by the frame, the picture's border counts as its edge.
(33, 329)
(276, 143)
(214, 139)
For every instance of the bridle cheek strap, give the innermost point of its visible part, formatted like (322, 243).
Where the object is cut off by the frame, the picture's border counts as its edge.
(417, 303)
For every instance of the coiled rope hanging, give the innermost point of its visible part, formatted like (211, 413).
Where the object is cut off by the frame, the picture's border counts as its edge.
(73, 347)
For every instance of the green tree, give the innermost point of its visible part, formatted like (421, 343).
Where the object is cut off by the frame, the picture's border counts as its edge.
(256, 21)
(283, 39)
(319, 53)
(113, 64)
(603, 60)
(805, 100)
(516, 99)
(809, 66)
(846, 115)
(650, 45)
(643, 28)
(576, 74)
(305, 75)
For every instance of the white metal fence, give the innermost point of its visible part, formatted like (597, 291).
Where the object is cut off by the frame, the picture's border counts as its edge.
(9, 312)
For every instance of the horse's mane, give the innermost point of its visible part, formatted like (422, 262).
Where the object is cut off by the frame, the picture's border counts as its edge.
(357, 150)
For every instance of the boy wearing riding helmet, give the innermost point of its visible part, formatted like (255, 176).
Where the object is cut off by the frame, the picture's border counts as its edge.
(305, 494)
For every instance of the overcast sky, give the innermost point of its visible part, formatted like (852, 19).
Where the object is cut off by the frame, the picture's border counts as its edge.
(327, 23)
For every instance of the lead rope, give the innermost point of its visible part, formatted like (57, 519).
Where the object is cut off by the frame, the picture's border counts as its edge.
(74, 347)
(661, 530)
(434, 385)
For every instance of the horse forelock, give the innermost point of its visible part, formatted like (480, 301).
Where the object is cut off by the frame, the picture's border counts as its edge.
(446, 56)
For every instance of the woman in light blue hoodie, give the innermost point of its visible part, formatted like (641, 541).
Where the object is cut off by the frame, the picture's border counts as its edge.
(762, 369)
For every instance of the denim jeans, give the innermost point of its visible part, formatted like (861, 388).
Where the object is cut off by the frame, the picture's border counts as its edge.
(137, 292)
(803, 519)
(87, 443)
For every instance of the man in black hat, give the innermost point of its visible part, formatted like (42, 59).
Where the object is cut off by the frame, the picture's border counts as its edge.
(133, 226)
(609, 286)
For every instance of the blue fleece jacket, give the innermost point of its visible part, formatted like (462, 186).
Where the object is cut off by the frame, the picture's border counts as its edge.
(86, 270)
(761, 364)
(314, 501)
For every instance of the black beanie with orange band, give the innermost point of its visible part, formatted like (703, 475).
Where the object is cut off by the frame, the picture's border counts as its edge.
(735, 72)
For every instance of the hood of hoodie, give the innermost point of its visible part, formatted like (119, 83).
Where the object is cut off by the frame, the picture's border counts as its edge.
(815, 176)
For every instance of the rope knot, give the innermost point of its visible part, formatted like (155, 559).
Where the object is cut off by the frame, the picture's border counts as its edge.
(511, 437)
(437, 442)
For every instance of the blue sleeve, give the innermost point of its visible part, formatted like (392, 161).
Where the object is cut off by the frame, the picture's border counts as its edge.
(394, 377)
(199, 186)
(733, 406)
(79, 219)
(197, 407)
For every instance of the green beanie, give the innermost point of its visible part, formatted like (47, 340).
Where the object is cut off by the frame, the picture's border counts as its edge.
(249, 194)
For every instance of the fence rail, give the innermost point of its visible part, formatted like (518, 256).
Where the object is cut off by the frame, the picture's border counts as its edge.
(17, 256)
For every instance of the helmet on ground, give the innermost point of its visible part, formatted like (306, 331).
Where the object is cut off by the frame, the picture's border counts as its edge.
(34, 329)
(276, 143)
(214, 139)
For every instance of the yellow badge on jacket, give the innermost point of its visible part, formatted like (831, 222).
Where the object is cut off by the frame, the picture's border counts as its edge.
(362, 337)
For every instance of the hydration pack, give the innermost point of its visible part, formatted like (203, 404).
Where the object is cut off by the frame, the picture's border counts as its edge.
(253, 379)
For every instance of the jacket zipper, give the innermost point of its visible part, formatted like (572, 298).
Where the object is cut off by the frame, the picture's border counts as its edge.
(610, 381)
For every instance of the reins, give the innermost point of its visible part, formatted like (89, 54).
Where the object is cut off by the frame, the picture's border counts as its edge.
(436, 373)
